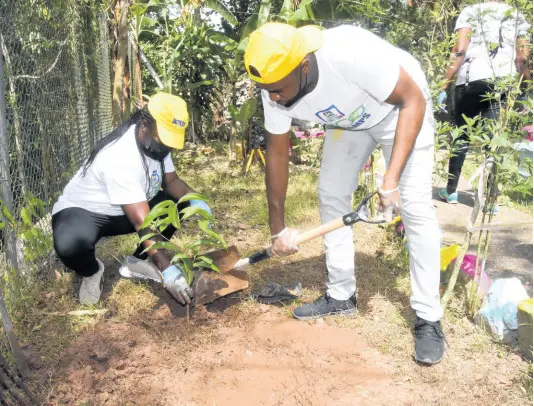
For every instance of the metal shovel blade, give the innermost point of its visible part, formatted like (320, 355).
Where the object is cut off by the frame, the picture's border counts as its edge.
(209, 285)
(225, 259)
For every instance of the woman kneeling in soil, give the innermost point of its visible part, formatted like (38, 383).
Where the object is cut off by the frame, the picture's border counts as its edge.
(112, 193)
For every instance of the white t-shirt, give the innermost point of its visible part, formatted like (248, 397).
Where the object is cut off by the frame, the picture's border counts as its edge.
(492, 24)
(115, 177)
(357, 72)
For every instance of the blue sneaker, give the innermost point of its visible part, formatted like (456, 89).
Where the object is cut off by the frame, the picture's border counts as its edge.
(495, 210)
(449, 198)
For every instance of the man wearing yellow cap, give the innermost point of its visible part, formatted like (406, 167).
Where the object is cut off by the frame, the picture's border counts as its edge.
(114, 190)
(366, 92)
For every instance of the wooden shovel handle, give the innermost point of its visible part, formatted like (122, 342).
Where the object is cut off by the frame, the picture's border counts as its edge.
(301, 239)
(319, 231)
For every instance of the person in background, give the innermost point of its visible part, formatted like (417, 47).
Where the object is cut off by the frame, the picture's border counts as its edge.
(127, 173)
(491, 43)
(366, 92)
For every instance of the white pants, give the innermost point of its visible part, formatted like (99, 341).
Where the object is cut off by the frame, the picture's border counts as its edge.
(345, 153)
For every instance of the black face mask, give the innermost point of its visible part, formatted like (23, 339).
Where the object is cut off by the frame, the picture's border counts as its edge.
(154, 149)
(300, 94)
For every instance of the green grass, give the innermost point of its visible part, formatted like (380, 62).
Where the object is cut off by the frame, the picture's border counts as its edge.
(527, 382)
(131, 298)
(233, 195)
(385, 317)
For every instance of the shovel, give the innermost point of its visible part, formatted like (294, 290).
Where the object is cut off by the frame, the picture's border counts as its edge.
(232, 275)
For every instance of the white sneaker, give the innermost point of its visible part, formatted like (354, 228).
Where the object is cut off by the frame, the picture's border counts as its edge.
(91, 288)
(133, 267)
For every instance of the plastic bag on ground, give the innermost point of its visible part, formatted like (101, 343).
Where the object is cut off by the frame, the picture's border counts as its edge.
(468, 268)
(448, 255)
(499, 311)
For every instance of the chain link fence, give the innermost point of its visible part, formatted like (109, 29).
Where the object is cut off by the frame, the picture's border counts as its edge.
(55, 103)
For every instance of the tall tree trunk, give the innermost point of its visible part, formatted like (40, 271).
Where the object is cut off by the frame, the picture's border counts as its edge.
(17, 126)
(127, 89)
(81, 147)
(231, 141)
(192, 118)
(138, 72)
(192, 126)
(105, 102)
(6, 185)
(121, 26)
(92, 73)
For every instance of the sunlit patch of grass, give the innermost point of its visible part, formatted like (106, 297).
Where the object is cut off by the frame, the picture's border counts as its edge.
(478, 345)
(234, 195)
(386, 327)
(302, 197)
(403, 283)
(456, 310)
(130, 298)
(309, 295)
(395, 317)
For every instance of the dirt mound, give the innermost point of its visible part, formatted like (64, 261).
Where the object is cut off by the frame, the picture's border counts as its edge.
(270, 360)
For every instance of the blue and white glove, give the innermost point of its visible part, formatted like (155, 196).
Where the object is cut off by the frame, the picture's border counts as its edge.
(176, 284)
(201, 204)
(442, 101)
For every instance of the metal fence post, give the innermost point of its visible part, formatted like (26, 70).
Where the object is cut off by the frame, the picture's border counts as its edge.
(5, 179)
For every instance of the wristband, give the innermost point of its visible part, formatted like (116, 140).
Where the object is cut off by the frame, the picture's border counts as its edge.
(386, 193)
(279, 234)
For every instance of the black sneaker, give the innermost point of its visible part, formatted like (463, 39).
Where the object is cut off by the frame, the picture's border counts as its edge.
(325, 306)
(429, 341)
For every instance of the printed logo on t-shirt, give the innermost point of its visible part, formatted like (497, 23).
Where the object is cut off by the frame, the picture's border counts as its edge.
(332, 115)
(155, 184)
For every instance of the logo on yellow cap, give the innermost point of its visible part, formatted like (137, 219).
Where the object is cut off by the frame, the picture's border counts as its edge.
(178, 122)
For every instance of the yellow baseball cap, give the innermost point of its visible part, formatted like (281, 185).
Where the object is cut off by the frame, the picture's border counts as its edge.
(275, 49)
(172, 118)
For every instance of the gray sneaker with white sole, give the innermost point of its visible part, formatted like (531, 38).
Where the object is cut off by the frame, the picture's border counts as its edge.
(91, 287)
